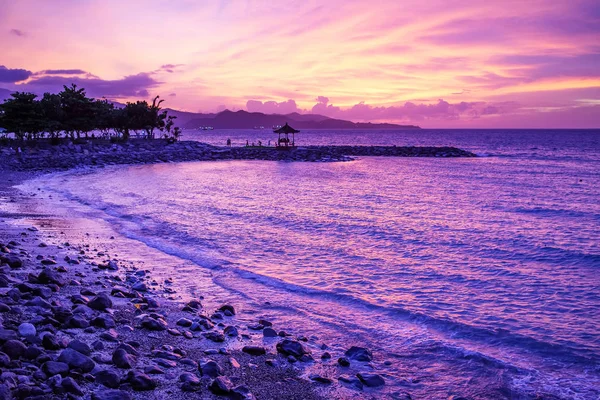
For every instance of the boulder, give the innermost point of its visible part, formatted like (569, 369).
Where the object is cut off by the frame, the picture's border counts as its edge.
(108, 378)
(101, 302)
(76, 360)
(359, 354)
(122, 359)
(26, 329)
(291, 348)
(15, 349)
(140, 381)
(51, 368)
(371, 380)
(254, 350)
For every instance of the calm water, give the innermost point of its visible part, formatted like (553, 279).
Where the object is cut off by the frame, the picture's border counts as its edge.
(477, 277)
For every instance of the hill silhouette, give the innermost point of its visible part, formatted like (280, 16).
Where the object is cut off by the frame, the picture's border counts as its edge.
(247, 120)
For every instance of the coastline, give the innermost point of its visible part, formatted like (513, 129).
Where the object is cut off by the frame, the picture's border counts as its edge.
(175, 360)
(43, 156)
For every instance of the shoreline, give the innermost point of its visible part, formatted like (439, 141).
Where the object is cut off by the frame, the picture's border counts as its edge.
(43, 156)
(83, 270)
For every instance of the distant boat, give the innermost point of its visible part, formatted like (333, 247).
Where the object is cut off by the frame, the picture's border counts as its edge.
(206, 128)
(259, 127)
(277, 126)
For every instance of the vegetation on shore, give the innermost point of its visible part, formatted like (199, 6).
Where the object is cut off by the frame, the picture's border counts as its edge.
(71, 114)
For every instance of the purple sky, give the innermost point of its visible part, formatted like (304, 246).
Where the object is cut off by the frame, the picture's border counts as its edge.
(435, 63)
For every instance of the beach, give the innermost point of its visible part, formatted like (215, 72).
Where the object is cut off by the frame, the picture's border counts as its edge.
(64, 291)
(433, 304)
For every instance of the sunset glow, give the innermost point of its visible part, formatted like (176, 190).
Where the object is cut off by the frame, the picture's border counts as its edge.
(434, 63)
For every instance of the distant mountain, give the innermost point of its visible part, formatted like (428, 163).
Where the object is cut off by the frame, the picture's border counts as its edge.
(247, 120)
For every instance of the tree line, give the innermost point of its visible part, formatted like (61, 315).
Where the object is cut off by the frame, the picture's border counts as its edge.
(71, 114)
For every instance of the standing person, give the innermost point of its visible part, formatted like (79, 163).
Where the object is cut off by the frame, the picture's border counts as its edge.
(247, 144)
(229, 142)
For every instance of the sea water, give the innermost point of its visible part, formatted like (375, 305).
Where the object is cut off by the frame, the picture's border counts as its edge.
(477, 277)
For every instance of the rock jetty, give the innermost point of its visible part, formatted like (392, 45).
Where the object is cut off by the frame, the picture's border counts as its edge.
(43, 156)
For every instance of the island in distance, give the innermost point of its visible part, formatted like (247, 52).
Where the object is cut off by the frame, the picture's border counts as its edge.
(247, 120)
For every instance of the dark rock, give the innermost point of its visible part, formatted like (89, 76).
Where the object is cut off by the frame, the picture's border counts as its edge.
(320, 379)
(351, 380)
(104, 321)
(101, 302)
(140, 287)
(153, 324)
(76, 360)
(49, 276)
(4, 360)
(325, 356)
(38, 302)
(231, 331)
(110, 336)
(6, 334)
(291, 347)
(269, 332)
(214, 336)
(122, 359)
(344, 362)
(15, 349)
(140, 381)
(128, 348)
(210, 368)
(371, 380)
(77, 321)
(13, 261)
(254, 350)
(188, 377)
(51, 368)
(359, 354)
(50, 342)
(108, 378)
(227, 309)
(111, 395)
(184, 322)
(80, 346)
(153, 370)
(32, 353)
(220, 386)
(70, 386)
(241, 393)
(167, 355)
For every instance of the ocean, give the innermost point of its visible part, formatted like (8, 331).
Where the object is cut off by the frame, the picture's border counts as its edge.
(477, 277)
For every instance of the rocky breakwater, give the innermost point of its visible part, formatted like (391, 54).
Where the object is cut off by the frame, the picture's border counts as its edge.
(78, 323)
(43, 156)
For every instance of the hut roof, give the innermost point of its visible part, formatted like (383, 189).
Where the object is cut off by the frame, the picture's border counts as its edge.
(286, 129)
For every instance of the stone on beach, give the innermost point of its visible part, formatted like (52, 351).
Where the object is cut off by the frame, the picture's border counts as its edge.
(371, 380)
(76, 360)
(254, 350)
(108, 378)
(122, 359)
(359, 354)
(101, 302)
(154, 324)
(52, 368)
(220, 386)
(27, 329)
(291, 348)
(140, 381)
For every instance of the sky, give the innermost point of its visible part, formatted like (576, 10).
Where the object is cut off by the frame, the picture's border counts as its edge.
(434, 63)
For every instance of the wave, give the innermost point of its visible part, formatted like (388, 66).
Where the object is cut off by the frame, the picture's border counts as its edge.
(179, 243)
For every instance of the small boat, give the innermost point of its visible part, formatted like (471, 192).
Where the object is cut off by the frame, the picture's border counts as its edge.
(205, 128)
